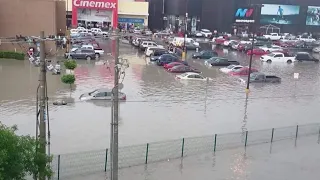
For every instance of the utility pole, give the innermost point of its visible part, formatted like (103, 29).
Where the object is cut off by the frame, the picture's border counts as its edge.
(115, 92)
(42, 128)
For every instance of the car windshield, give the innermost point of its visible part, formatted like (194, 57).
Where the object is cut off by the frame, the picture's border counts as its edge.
(184, 75)
(205, 30)
(93, 92)
(230, 67)
(202, 52)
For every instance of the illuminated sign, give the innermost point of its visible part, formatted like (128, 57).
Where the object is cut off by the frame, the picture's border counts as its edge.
(94, 4)
(244, 15)
(244, 12)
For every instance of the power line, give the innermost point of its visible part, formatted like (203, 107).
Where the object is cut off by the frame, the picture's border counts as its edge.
(305, 96)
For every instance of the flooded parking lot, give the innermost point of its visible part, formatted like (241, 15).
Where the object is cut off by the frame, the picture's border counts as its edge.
(159, 107)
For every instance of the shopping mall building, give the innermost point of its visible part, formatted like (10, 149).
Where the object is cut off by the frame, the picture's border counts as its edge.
(102, 13)
(222, 15)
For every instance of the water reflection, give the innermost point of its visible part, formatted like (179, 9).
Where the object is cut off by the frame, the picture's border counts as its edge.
(245, 117)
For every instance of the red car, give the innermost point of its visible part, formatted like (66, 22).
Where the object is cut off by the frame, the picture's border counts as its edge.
(242, 71)
(219, 41)
(257, 51)
(241, 47)
(171, 65)
(182, 69)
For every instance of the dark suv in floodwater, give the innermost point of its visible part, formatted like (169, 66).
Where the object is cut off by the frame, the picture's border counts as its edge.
(87, 54)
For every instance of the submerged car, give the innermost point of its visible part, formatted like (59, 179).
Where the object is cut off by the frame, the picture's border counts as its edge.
(173, 64)
(191, 76)
(242, 71)
(205, 54)
(101, 94)
(182, 69)
(230, 68)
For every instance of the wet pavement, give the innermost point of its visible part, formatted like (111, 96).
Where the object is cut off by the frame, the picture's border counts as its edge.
(158, 107)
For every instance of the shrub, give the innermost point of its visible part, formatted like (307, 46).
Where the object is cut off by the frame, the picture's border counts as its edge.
(70, 64)
(12, 55)
(68, 79)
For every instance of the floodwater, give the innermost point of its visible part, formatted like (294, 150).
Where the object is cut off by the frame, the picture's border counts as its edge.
(281, 160)
(158, 107)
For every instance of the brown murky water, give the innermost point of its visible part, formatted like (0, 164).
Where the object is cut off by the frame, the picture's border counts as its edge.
(158, 107)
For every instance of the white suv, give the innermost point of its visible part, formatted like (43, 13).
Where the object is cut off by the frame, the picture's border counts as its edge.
(206, 33)
(145, 44)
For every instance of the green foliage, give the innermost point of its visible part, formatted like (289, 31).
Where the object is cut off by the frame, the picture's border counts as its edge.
(19, 157)
(68, 79)
(70, 64)
(12, 55)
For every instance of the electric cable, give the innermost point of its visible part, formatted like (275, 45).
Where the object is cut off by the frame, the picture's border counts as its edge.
(304, 96)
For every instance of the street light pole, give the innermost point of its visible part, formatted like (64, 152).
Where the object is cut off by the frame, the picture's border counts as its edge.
(250, 63)
(115, 92)
(42, 128)
(185, 37)
(252, 43)
(184, 56)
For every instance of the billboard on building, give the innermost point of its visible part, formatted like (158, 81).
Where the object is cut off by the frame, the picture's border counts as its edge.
(244, 15)
(313, 16)
(279, 14)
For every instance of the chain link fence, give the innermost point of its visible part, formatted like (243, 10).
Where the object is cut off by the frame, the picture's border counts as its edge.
(77, 164)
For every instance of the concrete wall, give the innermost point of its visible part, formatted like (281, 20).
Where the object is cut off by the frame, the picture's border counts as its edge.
(133, 8)
(61, 17)
(28, 18)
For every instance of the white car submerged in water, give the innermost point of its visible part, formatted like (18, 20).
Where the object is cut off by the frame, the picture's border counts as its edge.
(230, 68)
(101, 94)
(191, 76)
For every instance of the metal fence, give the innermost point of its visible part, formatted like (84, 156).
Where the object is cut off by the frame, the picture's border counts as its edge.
(67, 165)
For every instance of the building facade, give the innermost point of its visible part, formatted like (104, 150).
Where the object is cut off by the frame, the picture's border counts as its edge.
(133, 13)
(220, 15)
(19, 17)
(92, 12)
(107, 13)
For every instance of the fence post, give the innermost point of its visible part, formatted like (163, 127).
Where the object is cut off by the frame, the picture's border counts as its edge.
(58, 166)
(246, 140)
(272, 133)
(215, 143)
(106, 161)
(147, 153)
(182, 147)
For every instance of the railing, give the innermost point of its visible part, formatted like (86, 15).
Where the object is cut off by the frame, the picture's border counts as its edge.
(67, 165)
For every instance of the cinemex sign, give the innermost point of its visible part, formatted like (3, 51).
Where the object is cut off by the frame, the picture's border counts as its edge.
(244, 15)
(105, 5)
(94, 4)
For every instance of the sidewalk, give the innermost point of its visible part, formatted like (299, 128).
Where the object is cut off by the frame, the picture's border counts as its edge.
(281, 162)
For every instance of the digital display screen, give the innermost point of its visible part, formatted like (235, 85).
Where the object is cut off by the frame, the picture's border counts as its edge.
(313, 16)
(279, 14)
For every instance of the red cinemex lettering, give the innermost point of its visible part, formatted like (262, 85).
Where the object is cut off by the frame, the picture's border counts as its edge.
(94, 4)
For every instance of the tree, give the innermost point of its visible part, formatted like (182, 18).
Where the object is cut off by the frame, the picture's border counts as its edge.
(68, 79)
(19, 156)
(70, 64)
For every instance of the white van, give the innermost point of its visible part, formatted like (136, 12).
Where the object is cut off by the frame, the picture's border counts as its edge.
(179, 41)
